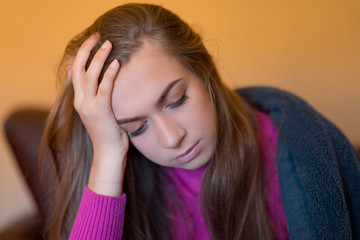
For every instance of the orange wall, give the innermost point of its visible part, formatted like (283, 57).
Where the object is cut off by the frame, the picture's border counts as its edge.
(311, 48)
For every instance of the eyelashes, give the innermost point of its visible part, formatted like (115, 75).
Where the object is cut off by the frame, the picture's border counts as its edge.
(140, 130)
(174, 105)
(178, 102)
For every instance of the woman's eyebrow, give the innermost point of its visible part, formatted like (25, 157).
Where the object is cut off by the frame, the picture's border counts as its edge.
(159, 102)
(128, 120)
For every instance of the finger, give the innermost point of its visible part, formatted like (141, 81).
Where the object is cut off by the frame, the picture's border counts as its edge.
(94, 70)
(78, 66)
(107, 84)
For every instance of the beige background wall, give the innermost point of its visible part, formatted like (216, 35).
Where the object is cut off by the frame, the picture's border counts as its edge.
(311, 48)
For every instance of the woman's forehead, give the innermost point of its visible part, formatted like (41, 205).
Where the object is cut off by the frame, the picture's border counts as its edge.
(142, 80)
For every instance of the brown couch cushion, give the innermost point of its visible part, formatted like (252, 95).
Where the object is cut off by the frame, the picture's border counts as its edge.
(24, 129)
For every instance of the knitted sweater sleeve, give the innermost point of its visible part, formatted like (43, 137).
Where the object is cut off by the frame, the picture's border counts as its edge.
(99, 217)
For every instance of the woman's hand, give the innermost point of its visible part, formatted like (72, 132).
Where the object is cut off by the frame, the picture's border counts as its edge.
(93, 104)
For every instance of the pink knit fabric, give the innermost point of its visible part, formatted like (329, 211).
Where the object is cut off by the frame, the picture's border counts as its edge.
(188, 224)
(99, 217)
(102, 217)
(274, 206)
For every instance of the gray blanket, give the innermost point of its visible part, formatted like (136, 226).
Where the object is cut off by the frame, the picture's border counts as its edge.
(319, 170)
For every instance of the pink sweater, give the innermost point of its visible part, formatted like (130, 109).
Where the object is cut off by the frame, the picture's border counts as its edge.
(102, 217)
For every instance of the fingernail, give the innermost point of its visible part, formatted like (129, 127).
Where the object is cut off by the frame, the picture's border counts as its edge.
(95, 35)
(113, 63)
(105, 44)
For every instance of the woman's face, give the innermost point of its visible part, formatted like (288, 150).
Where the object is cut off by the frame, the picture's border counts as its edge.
(165, 109)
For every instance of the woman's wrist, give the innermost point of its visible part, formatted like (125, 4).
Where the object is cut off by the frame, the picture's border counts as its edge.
(106, 188)
(107, 175)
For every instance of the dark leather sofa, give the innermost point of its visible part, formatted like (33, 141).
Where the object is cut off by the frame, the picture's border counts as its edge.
(23, 129)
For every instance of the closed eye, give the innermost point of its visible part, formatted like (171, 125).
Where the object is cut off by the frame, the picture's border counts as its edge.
(174, 105)
(139, 131)
(178, 102)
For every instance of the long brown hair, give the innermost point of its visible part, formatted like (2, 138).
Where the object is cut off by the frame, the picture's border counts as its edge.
(232, 193)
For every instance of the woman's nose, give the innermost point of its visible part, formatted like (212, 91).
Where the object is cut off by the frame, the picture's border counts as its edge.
(171, 133)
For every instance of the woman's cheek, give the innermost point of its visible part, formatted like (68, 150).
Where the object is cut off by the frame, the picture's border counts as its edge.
(144, 145)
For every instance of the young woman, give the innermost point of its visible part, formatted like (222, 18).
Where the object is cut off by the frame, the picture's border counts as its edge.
(146, 142)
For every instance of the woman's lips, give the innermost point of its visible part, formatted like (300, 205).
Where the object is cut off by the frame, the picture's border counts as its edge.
(188, 155)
